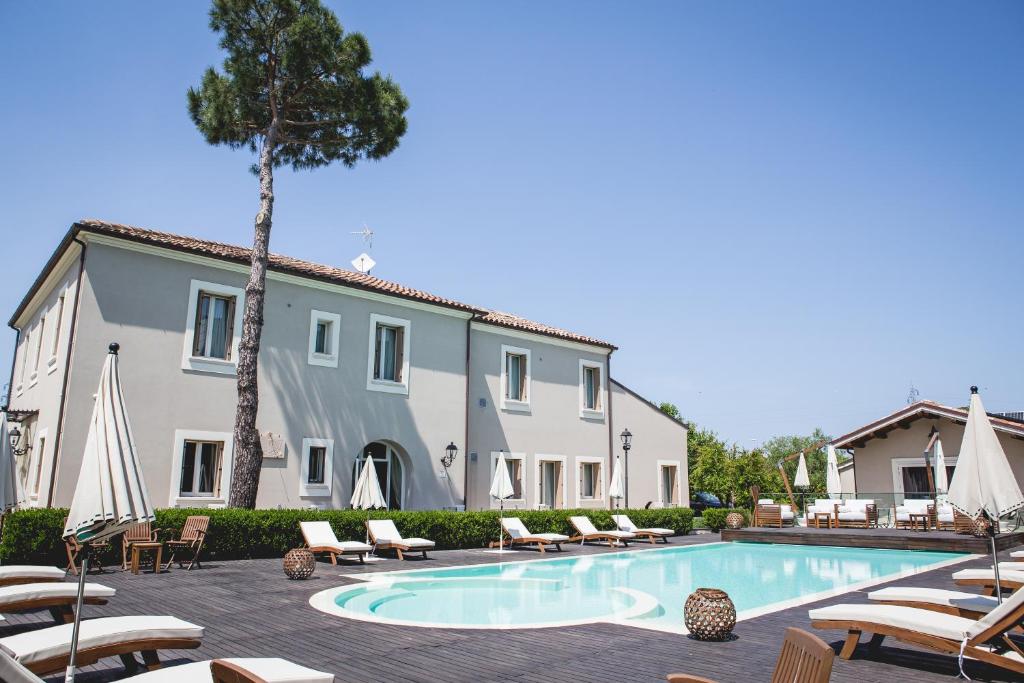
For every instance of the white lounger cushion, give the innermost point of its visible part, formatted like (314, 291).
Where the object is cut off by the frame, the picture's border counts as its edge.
(975, 574)
(30, 571)
(626, 524)
(385, 531)
(936, 596)
(1017, 554)
(896, 616)
(321, 535)
(270, 669)
(1011, 566)
(822, 505)
(34, 646)
(55, 589)
(853, 516)
(516, 529)
(551, 537)
(586, 527)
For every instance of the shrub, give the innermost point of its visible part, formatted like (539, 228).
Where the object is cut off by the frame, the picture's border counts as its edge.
(714, 518)
(34, 536)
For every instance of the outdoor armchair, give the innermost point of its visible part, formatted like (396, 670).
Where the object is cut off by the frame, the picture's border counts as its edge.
(804, 658)
(189, 542)
(142, 532)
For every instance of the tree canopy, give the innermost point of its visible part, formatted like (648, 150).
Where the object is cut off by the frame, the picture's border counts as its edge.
(290, 63)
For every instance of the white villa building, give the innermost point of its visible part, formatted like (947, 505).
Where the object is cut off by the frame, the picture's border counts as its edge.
(350, 366)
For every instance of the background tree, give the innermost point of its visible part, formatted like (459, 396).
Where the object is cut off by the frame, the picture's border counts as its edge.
(712, 466)
(781, 446)
(670, 409)
(292, 90)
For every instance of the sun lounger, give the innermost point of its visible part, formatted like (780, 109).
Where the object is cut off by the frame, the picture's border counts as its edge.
(518, 534)
(586, 531)
(652, 534)
(804, 658)
(47, 650)
(986, 578)
(320, 538)
(245, 670)
(967, 605)
(56, 597)
(14, 574)
(385, 536)
(1017, 554)
(985, 639)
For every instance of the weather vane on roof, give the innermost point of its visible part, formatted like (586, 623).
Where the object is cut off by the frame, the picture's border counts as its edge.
(363, 263)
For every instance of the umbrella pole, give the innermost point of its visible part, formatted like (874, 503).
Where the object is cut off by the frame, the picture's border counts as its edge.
(995, 557)
(69, 675)
(501, 526)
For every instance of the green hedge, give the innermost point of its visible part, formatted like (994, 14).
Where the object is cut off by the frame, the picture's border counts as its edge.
(34, 536)
(714, 518)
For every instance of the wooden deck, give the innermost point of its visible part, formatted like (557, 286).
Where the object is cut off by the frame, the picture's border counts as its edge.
(893, 539)
(250, 609)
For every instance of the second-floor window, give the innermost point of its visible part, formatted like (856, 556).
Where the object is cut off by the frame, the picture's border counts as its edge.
(215, 321)
(56, 328)
(200, 468)
(324, 338)
(515, 378)
(591, 389)
(387, 358)
(388, 364)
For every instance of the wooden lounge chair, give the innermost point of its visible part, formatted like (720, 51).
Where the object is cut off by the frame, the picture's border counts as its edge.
(14, 574)
(518, 534)
(805, 658)
(651, 535)
(587, 532)
(189, 542)
(47, 650)
(320, 538)
(986, 640)
(253, 670)
(59, 598)
(986, 579)
(958, 603)
(385, 536)
(136, 533)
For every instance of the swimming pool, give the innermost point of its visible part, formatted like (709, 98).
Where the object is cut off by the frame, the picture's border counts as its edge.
(645, 588)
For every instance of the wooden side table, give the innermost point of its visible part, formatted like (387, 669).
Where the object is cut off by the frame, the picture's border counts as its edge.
(139, 548)
(816, 517)
(922, 518)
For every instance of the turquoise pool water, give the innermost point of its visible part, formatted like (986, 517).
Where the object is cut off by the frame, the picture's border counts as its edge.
(646, 588)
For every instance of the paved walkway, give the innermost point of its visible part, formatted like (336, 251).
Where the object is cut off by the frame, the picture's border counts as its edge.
(250, 609)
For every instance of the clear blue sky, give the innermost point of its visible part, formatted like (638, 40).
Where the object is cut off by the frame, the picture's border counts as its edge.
(783, 213)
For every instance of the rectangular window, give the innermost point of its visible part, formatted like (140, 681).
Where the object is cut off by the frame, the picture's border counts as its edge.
(317, 461)
(200, 468)
(214, 326)
(590, 478)
(550, 484)
(669, 485)
(592, 388)
(24, 356)
(41, 453)
(388, 361)
(515, 473)
(56, 327)
(515, 371)
(39, 343)
(322, 344)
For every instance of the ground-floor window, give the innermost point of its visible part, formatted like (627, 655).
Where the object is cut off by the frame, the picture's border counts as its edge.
(514, 464)
(550, 483)
(201, 468)
(668, 486)
(590, 479)
(317, 467)
(390, 472)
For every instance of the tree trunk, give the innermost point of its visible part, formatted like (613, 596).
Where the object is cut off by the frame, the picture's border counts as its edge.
(248, 454)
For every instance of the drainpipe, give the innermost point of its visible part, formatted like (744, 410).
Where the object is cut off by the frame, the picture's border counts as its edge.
(611, 429)
(67, 371)
(465, 466)
(14, 357)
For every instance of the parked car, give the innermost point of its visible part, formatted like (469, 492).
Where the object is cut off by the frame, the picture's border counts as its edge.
(702, 500)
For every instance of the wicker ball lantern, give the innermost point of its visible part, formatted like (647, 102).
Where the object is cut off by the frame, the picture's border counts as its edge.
(709, 614)
(980, 527)
(299, 563)
(734, 520)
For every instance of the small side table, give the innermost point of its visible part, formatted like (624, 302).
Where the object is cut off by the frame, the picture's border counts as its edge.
(919, 517)
(817, 517)
(139, 548)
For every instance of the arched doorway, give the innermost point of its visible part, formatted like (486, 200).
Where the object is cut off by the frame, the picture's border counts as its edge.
(390, 471)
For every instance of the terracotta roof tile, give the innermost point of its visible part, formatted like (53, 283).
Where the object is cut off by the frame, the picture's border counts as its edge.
(287, 264)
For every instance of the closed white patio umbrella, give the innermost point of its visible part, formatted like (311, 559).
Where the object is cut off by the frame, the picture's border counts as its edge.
(833, 484)
(983, 483)
(616, 487)
(366, 494)
(801, 478)
(501, 488)
(941, 478)
(110, 494)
